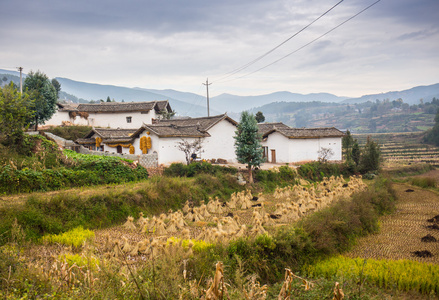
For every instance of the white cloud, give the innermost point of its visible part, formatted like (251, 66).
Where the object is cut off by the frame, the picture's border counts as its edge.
(178, 44)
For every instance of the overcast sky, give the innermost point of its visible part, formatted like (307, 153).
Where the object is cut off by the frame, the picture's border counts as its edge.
(176, 44)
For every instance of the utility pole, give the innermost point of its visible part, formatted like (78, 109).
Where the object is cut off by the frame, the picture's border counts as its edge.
(21, 80)
(207, 87)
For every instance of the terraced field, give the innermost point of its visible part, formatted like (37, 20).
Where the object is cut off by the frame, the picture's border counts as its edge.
(403, 148)
(406, 231)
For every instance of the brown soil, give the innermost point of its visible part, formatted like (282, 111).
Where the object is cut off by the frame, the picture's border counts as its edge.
(401, 232)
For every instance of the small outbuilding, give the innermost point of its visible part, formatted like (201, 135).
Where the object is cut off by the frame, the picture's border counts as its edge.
(215, 134)
(284, 144)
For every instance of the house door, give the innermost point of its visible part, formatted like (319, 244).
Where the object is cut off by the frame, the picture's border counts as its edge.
(273, 156)
(119, 149)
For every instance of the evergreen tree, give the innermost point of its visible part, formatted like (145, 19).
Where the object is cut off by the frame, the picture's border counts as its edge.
(260, 117)
(57, 87)
(356, 153)
(347, 142)
(432, 135)
(108, 99)
(370, 157)
(248, 143)
(43, 95)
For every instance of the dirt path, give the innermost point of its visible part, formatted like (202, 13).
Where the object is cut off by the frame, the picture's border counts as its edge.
(401, 232)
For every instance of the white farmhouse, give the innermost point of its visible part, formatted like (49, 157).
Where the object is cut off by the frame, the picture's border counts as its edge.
(283, 144)
(110, 140)
(109, 114)
(216, 135)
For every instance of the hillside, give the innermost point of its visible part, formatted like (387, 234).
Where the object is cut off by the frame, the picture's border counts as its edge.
(328, 109)
(410, 96)
(369, 117)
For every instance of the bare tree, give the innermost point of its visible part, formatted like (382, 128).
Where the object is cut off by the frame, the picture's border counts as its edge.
(325, 154)
(190, 149)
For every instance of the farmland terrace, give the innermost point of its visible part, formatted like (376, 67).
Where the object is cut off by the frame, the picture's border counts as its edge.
(402, 148)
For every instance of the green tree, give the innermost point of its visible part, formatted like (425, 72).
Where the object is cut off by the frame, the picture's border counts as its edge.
(164, 114)
(370, 156)
(15, 113)
(248, 143)
(260, 117)
(356, 153)
(347, 142)
(108, 99)
(57, 87)
(43, 95)
(432, 135)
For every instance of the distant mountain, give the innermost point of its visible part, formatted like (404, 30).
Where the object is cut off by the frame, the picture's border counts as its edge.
(233, 103)
(410, 96)
(193, 105)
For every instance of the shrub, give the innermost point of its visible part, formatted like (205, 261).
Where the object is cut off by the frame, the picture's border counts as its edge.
(75, 237)
(370, 158)
(70, 132)
(89, 262)
(424, 182)
(270, 179)
(315, 171)
(404, 275)
(334, 229)
(181, 170)
(86, 173)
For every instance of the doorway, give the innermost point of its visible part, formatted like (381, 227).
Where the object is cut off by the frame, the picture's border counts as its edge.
(119, 149)
(273, 156)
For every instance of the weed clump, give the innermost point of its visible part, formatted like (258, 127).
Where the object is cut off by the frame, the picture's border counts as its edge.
(424, 182)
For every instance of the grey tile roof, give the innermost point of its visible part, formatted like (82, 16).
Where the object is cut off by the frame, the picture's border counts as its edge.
(123, 106)
(108, 136)
(67, 106)
(171, 130)
(306, 133)
(264, 128)
(190, 127)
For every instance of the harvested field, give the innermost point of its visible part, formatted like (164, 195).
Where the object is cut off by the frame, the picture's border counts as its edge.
(401, 233)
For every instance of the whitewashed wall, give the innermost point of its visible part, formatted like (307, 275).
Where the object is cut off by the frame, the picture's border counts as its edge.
(118, 120)
(295, 150)
(106, 120)
(279, 143)
(166, 148)
(221, 143)
(57, 118)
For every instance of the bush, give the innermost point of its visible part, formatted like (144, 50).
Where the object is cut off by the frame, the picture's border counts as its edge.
(270, 179)
(104, 170)
(316, 171)
(182, 170)
(75, 237)
(424, 182)
(70, 132)
(370, 158)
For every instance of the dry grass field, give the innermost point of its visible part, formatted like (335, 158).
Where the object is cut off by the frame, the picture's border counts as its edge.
(401, 232)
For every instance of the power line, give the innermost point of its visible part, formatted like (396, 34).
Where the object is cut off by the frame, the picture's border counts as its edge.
(272, 50)
(326, 33)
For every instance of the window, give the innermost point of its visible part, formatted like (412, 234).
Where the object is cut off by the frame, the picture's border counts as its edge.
(265, 153)
(128, 119)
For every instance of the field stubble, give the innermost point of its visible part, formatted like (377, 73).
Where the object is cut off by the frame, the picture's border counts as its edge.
(401, 232)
